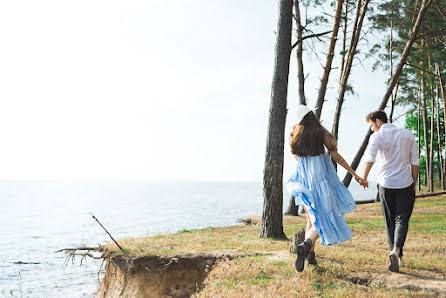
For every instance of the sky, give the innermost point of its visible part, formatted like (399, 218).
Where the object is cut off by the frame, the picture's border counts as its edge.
(152, 90)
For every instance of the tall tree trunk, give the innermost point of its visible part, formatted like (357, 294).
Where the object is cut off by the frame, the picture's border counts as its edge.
(431, 160)
(424, 5)
(292, 207)
(341, 72)
(431, 155)
(344, 39)
(392, 106)
(299, 50)
(273, 171)
(330, 55)
(425, 131)
(393, 103)
(419, 135)
(348, 65)
(444, 111)
(439, 156)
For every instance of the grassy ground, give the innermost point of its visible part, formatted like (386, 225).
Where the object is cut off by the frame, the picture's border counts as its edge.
(357, 267)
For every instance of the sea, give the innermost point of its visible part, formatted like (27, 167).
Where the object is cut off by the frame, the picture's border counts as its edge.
(38, 218)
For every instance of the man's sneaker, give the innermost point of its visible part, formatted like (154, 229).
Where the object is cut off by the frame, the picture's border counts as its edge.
(400, 262)
(311, 258)
(394, 264)
(302, 251)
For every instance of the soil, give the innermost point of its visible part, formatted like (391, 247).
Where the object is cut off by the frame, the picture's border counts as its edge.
(159, 276)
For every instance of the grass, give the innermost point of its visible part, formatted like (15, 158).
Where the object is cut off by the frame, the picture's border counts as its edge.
(272, 273)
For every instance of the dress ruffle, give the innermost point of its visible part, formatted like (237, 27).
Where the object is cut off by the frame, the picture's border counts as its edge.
(315, 185)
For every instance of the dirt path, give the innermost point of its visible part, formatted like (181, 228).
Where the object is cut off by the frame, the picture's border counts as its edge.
(415, 280)
(406, 279)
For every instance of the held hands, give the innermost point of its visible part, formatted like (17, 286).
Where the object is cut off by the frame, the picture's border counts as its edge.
(363, 182)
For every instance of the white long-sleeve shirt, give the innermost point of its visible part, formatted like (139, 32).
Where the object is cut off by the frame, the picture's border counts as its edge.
(397, 152)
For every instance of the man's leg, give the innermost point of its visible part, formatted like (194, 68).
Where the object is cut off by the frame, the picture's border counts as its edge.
(388, 206)
(405, 199)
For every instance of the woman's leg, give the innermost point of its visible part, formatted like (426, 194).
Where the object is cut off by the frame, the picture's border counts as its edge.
(310, 232)
(306, 248)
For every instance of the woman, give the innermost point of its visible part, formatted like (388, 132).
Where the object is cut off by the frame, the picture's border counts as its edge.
(316, 186)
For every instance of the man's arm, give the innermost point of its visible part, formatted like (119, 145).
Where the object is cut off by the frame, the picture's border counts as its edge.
(367, 168)
(414, 161)
(369, 157)
(415, 172)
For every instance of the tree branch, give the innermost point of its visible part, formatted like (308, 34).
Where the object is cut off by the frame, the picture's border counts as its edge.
(439, 10)
(308, 36)
(419, 68)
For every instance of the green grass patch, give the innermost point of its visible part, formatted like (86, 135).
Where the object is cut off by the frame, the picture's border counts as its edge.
(279, 264)
(366, 224)
(260, 279)
(183, 231)
(431, 224)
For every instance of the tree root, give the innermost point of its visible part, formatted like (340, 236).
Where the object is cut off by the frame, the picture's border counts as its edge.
(72, 253)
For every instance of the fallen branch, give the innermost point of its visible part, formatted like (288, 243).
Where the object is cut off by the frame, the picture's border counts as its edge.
(117, 244)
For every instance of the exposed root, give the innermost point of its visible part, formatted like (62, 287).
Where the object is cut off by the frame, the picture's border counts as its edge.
(72, 253)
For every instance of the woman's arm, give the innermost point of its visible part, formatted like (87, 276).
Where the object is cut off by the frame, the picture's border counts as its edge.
(340, 160)
(330, 143)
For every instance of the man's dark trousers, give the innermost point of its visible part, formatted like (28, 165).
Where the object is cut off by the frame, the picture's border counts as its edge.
(397, 205)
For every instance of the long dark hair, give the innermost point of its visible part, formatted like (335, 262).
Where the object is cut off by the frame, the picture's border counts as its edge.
(307, 139)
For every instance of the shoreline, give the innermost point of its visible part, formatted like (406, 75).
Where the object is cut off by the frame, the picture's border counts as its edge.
(261, 265)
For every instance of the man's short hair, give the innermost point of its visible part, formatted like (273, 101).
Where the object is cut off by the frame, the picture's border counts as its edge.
(381, 115)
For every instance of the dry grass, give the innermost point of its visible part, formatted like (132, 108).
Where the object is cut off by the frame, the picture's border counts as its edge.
(273, 273)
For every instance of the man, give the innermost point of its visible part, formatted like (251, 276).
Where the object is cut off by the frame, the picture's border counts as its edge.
(398, 174)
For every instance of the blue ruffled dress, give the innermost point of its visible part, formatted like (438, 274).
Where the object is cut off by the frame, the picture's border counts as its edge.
(315, 185)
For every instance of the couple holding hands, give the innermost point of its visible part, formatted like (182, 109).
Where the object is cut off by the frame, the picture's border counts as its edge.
(316, 186)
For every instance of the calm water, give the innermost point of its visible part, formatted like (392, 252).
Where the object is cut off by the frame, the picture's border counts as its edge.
(39, 218)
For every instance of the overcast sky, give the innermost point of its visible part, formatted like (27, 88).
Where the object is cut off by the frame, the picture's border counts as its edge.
(151, 90)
